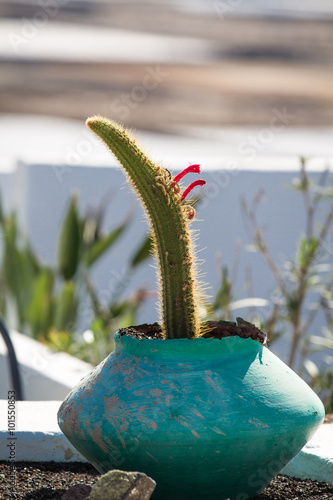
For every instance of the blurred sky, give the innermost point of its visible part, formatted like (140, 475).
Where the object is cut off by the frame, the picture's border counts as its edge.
(157, 65)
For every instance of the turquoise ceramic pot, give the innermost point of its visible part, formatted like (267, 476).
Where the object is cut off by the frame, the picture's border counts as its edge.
(205, 418)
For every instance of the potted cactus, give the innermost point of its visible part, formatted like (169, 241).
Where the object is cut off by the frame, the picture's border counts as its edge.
(205, 409)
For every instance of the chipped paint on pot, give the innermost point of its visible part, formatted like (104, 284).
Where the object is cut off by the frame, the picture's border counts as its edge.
(205, 418)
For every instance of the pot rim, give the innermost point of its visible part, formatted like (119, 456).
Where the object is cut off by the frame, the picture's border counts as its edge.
(184, 347)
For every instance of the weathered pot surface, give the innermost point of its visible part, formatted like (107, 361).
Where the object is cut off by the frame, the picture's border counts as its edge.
(205, 418)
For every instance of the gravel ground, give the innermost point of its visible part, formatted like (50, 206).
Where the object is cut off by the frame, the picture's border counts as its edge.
(40, 481)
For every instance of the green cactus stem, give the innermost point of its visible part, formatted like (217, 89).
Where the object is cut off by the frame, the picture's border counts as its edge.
(169, 216)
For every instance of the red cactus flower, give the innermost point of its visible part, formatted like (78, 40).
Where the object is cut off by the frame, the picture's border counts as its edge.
(199, 182)
(191, 169)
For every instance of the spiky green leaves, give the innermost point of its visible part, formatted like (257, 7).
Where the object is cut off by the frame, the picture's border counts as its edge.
(168, 216)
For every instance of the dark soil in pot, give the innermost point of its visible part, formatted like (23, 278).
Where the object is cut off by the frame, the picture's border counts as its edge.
(216, 330)
(44, 480)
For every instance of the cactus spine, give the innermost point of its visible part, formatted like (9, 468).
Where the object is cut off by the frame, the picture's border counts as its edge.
(169, 217)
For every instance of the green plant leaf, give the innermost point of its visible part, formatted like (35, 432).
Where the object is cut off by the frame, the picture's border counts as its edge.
(104, 243)
(307, 250)
(20, 268)
(144, 251)
(223, 297)
(39, 311)
(65, 308)
(70, 242)
(60, 341)
(2, 216)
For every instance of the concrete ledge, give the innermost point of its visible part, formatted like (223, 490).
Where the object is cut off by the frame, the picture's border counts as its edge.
(38, 438)
(46, 375)
(315, 460)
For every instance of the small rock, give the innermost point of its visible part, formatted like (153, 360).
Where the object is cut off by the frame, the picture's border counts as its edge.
(121, 485)
(77, 492)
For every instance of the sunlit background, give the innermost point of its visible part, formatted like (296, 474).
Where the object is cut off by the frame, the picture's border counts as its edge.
(168, 66)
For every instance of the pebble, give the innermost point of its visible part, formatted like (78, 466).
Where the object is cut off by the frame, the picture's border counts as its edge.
(121, 485)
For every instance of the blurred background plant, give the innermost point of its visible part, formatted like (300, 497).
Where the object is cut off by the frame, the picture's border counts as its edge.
(304, 285)
(44, 301)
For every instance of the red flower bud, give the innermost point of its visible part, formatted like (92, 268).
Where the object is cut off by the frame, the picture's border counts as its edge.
(199, 182)
(191, 169)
